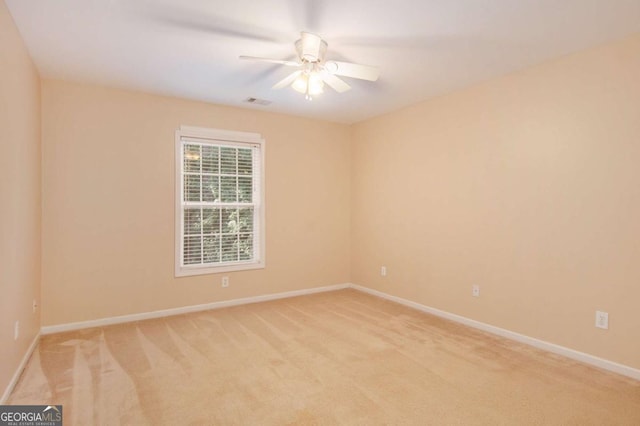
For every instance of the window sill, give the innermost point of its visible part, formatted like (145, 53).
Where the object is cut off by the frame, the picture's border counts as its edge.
(186, 271)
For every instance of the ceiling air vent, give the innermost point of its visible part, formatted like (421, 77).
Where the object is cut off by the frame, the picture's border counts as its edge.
(257, 101)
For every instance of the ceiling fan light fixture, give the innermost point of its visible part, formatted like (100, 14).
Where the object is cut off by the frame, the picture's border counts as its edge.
(300, 84)
(316, 83)
(309, 84)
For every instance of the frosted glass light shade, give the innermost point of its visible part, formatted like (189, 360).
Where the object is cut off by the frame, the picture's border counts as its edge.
(308, 83)
(316, 84)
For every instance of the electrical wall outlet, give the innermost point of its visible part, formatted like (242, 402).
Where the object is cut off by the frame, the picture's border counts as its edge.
(475, 290)
(602, 320)
(225, 281)
(383, 271)
(16, 330)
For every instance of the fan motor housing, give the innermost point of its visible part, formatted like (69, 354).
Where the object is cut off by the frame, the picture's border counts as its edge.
(311, 48)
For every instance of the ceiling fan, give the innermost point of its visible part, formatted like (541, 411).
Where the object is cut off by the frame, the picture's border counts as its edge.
(314, 71)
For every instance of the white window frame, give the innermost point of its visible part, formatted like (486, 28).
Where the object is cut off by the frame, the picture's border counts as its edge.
(231, 138)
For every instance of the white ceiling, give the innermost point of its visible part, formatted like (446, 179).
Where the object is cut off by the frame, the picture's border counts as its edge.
(424, 48)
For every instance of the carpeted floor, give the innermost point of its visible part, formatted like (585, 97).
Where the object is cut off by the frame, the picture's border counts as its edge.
(333, 358)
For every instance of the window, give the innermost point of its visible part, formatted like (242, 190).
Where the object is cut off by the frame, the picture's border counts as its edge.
(219, 201)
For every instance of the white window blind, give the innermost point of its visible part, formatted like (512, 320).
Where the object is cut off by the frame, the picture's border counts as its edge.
(219, 224)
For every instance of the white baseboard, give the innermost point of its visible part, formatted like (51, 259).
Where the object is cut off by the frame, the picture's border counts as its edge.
(622, 369)
(185, 310)
(540, 344)
(16, 376)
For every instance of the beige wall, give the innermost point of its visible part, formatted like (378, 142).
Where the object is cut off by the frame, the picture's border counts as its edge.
(527, 185)
(108, 204)
(19, 197)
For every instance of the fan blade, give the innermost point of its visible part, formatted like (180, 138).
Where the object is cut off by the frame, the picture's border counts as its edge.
(335, 83)
(190, 17)
(287, 80)
(346, 69)
(273, 61)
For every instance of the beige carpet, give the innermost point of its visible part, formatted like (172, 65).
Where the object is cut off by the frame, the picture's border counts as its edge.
(334, 358)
